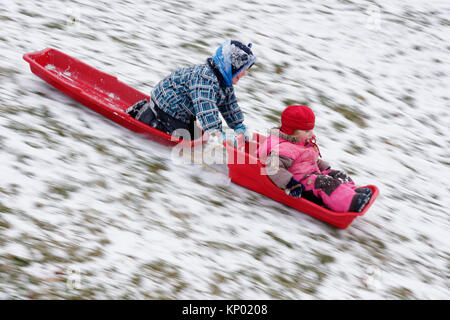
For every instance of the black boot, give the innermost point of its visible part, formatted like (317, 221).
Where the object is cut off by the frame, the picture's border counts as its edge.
(367, 191)
(360, 200)
(135, 108)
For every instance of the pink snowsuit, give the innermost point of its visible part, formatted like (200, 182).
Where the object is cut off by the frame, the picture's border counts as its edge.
(334, 187)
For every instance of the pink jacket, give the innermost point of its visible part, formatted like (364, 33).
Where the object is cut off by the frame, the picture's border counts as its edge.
(305, 156)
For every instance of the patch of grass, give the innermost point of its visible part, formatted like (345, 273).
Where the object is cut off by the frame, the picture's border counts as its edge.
(375, 94)
(122, 41)
(4, 224)
(358, 97)
(18, 261)
(7, 71)
(5, 18)
(360, 74)
(44, 225)
(289, 102)
(99, 183)
(215, 290)
(163, 272)
(41, 94)
(324, 258)
(278, 239)
(272, 118)
(95, 253)
(408, 100)
(351, 114)
(88, 36)
(375, 246)
(156, 166)
(196, 47)
(54, 25)
(216, 203)
(180, 215)
(258, 279)
(62, 190)
(320, 275)
(259, 252)
(284, 280)
(230, 32)
(5, 209)
(307, 279)
(279, 68)
(281, 210)
(160, 266)
(355, 149)
(402, 293)
(339, 126)
(220, 246)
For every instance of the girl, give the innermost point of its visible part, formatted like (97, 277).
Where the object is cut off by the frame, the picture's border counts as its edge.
(293, 152)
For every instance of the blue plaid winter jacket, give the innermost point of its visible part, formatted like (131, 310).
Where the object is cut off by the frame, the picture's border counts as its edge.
(196, 91)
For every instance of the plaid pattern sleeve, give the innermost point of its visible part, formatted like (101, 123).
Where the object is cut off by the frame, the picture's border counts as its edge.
(204, 97)
(230, 110)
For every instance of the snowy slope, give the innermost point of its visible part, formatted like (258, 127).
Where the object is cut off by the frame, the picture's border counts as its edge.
(91, 210)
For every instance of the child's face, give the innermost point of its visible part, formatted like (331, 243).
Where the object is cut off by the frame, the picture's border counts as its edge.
(239, 75)
(304, 135)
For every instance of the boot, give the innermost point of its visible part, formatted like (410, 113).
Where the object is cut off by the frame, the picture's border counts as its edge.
(360, 200)
(367, 191)
(135, 108)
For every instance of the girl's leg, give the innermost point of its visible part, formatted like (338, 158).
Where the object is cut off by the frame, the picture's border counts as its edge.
(335, 195)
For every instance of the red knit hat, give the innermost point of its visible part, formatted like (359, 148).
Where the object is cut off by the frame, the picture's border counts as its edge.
(297, 118)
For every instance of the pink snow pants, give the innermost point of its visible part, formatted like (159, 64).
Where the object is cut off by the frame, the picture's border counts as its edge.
(335, 188)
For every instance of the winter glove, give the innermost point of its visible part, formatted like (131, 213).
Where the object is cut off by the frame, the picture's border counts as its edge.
(294, 188)
(323, 165)
(242, 129)
(228, 136)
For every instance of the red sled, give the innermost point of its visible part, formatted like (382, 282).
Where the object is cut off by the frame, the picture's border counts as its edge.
(246, 170)
(97, 90)
(108, 96)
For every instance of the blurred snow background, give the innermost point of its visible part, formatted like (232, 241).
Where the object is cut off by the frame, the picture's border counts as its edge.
(90, 210)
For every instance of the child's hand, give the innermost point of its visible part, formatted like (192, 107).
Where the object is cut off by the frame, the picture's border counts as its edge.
(229, 136)
(294, 188)
(236, 141)
(323, 165)
(242, 129)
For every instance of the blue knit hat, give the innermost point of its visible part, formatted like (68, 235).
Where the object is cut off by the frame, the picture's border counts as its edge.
(241, 57)
(232, 57)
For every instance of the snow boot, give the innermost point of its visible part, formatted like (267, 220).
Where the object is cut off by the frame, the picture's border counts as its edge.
(367, 191)
(144, 112)
(360, 200)
(135, 108)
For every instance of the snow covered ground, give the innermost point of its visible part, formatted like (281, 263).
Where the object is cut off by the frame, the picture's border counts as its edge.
(90, 210)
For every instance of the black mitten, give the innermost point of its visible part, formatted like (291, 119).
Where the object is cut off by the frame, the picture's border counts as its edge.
(294, 188)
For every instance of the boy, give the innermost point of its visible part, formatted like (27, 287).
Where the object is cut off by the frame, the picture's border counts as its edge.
(200, 92)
